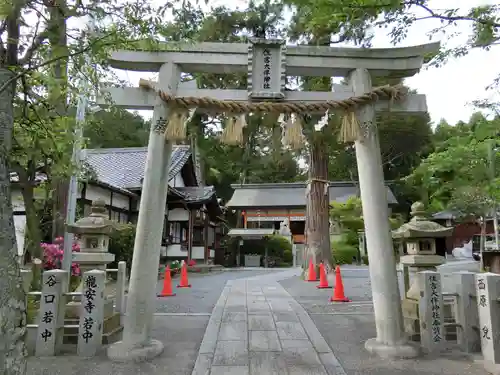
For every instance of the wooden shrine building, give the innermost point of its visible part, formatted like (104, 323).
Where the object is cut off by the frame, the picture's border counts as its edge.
(267, 205)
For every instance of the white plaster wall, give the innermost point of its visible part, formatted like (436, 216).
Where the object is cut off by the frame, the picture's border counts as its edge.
(177, 181)
(178, 214)
(20, 226)
(121, 201)
(17, 201)
(94, 192)
(198, 252)
(211, 236)
(174, 250)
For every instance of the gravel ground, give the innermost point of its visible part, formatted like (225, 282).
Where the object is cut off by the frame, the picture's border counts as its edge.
(346, 327)
(356, 287)
(202, 296)
(181, 337)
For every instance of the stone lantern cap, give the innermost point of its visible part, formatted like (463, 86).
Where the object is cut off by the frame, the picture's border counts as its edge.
(420, 227)
(96, 223)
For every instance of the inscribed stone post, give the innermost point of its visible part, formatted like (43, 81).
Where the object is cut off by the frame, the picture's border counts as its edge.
(91, 313)
(391, 338)
(51, 314)
(121, 282)
(431, 312)
(137, 343)
(467, 312)
(487, 289)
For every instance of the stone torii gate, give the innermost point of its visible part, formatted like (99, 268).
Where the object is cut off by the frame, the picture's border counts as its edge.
(267, 63)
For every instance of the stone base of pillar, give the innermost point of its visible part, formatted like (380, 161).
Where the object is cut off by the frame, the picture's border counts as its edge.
(489, 366)
(402, 350)
(122, 352)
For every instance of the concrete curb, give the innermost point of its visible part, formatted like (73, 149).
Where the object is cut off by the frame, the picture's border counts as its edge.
(325, 353)
(207, 348)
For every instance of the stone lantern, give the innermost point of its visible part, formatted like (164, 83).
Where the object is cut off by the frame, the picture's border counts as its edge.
(93, 238)
(93, 233)
(419, 236)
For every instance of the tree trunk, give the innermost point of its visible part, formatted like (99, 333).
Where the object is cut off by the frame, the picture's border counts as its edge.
(317, 210)
(495, 263)
(12, 297)
(60, 188)
(33, 236)
(57, 98)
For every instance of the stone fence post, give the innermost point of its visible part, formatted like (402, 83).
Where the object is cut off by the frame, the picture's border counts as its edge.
(467, 312)
(431, 311)
(487, 289)
(91, 313)
(51, 314)
(121, 282)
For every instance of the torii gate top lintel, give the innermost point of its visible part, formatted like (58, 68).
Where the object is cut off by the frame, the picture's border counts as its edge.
(209, 57)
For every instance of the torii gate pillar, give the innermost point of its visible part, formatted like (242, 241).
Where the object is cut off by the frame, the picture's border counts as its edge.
(137, 343)
(391, 339)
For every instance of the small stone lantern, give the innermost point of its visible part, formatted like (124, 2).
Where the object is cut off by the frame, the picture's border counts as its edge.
(93, 238)
(419, 235)
(93, 234)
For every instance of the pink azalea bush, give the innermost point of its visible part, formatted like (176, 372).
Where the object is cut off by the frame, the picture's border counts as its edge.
(53, 254)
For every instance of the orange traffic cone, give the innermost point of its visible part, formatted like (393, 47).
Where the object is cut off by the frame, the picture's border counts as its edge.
(323, 281)
(312, 272)
(338, 292)
(184, 277)
(167, 284)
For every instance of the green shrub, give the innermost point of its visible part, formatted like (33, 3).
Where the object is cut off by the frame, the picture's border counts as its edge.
(280, 264)
(364, 258)
(122, 244)
(287, 256)
(344, 253)
(276, 246)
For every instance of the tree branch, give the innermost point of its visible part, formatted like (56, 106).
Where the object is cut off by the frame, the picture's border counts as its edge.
(486, 22)
(37, 43)
(48, 62)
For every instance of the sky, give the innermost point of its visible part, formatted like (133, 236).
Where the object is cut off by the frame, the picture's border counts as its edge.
(450, 89)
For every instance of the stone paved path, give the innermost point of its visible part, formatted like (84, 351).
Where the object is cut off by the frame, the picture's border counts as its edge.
(256, 327)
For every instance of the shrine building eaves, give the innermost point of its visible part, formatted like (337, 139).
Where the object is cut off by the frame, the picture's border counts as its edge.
(226, 58)
(291, 194)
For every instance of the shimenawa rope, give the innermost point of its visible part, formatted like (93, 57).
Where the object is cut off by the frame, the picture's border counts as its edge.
(233, 133)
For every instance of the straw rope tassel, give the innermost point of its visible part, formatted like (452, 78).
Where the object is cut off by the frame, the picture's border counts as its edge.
(293, 136)
(233, 132)
(177, 126)
(349, 130)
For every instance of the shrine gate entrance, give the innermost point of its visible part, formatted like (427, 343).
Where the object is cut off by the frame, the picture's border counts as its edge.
(267, 63)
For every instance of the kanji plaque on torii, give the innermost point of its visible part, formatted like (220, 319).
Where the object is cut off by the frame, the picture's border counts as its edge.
(358, 100)
(266, 69)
